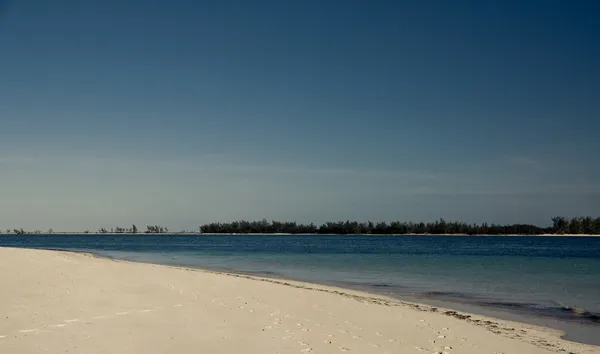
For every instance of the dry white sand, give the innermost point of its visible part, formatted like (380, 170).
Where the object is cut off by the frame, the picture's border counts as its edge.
(60, 302)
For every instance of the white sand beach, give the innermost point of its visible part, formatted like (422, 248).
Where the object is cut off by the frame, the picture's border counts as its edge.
(62, 302)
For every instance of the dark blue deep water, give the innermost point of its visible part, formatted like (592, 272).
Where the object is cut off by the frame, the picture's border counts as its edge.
(551, 278)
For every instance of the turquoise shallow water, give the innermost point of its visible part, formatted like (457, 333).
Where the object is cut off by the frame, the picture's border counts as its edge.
(555, 280)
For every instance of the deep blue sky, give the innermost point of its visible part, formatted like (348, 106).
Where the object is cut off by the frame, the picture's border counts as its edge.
(185, 112)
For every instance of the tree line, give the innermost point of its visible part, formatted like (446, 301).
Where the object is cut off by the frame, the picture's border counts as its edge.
(150, 229)
(560, 225)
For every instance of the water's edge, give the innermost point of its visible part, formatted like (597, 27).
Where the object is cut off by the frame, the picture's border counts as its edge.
(568, 332)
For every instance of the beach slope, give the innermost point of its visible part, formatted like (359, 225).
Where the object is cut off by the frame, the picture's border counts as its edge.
(61, 302)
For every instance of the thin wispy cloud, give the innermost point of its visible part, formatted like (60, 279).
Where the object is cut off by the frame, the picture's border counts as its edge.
(6, 160)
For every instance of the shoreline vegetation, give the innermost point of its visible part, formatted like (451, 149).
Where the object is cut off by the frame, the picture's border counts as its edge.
(561, 226)
(191, 233)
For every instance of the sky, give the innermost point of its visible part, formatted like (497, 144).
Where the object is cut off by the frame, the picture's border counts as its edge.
(178, 113)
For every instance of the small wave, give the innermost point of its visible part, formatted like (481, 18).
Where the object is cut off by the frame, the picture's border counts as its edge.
(511, 305)
(581, 313)
(561, 311)
(568, 313)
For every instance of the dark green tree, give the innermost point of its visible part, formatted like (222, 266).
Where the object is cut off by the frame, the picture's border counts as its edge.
(560, 225)
(575, 226)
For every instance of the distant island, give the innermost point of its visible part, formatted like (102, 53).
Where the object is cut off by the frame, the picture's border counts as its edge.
(560, 226)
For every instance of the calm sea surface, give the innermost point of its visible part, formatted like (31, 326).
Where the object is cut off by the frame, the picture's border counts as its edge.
(553, 281)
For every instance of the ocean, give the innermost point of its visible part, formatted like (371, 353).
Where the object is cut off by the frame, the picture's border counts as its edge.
(550, 281)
